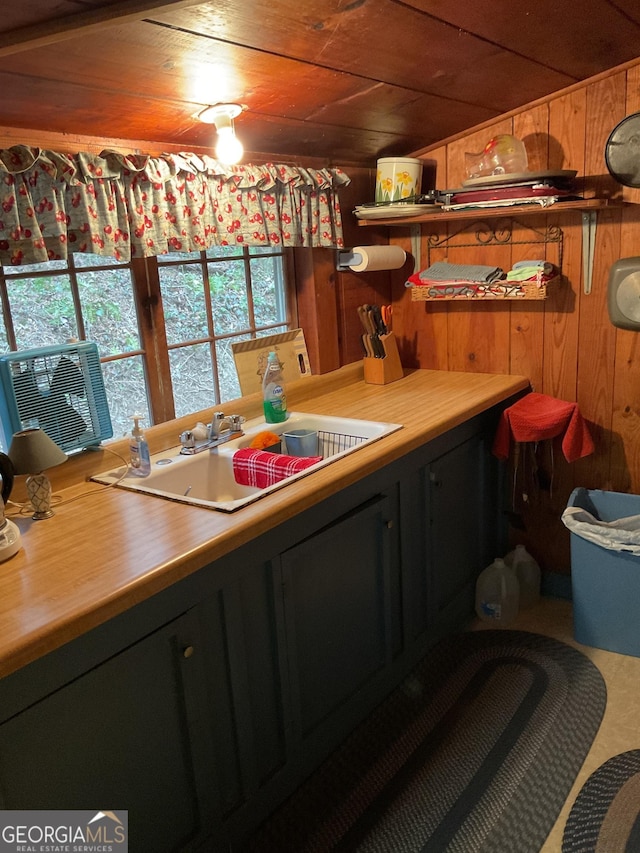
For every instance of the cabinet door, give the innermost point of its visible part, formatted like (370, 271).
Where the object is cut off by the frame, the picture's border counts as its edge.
(338, 594)
(125, 735)
(459, 513)
(245, 663)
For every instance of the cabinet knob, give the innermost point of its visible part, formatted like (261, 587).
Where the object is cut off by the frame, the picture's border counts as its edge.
(187, 652)
(389, 524)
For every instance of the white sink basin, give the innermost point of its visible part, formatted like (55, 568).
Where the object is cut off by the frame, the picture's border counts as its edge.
(206, 479)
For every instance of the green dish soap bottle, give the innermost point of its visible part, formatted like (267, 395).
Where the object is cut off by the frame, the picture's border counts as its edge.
(273, 394)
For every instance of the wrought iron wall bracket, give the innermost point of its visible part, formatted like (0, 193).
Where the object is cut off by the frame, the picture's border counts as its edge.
(499, 235)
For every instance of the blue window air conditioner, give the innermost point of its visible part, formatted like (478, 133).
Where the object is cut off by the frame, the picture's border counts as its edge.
(58, 388)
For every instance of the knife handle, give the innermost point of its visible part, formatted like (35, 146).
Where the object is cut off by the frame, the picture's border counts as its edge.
(381, 371)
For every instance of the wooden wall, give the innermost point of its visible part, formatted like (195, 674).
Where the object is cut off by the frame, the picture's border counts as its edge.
(564, 344)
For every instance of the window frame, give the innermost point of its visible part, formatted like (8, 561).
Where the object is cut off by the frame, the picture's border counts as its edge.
(154, 348)
(148, 296)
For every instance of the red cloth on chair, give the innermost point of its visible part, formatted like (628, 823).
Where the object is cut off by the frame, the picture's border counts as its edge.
(260, 468)
(537, 417)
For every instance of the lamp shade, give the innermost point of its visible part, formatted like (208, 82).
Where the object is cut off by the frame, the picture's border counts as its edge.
(32, 450)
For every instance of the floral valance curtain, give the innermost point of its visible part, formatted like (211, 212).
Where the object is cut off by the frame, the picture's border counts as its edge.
(126, 206)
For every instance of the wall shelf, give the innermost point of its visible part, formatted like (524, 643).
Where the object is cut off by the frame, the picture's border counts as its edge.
(485, 235)
(587, 207)
(438, 215)
(474, 292)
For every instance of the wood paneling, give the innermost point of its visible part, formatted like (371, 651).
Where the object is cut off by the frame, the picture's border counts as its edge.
(580, 33)
(344, 81)
(364, 39)
(347, 83)
(315, 275)
(565, 344)
(625, 421)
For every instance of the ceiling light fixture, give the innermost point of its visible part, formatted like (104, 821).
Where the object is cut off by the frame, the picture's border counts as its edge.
(229, 149)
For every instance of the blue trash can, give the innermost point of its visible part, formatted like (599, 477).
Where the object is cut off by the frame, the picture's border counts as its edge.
(605, 583)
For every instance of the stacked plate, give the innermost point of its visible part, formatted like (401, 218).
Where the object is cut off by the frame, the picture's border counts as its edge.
(412, 206)
(389, 211)
(542, 188)
(545, 187)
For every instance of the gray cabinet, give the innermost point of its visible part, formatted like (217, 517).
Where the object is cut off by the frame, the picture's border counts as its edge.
(245, 679)
(341, 616)
(200, 710)
(458, 520)
(452, 528)
(311, 634)
(128, 734)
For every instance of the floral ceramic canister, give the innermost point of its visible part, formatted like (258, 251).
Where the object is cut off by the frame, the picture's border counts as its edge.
(398, 178)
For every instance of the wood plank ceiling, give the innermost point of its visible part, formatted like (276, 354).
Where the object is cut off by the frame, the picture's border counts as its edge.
(342, 81)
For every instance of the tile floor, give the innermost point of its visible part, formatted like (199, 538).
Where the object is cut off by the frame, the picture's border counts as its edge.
(620, 727)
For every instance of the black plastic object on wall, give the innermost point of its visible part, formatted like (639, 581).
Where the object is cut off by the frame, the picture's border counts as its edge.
(623, 294)
(622, 151)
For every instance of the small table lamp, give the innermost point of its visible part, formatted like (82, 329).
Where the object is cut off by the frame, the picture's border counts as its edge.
(32, 452)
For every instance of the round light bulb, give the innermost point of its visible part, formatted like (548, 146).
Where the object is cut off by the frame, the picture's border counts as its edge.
(229, 149)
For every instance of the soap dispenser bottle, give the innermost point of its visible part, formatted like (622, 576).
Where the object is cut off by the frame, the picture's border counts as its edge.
(273, 393)
(139, 449)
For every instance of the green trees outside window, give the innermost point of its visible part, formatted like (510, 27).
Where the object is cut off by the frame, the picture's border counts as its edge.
(164, 326)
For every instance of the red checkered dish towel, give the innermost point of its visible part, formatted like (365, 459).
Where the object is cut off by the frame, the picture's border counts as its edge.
(262, 469)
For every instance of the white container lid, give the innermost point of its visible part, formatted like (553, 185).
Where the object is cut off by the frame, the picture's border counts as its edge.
(413, 160)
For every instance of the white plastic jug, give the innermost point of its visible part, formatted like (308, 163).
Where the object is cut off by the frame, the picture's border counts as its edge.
(528, 573)
(497, 593)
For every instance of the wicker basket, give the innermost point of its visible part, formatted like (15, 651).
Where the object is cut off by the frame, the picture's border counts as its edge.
(470, 291)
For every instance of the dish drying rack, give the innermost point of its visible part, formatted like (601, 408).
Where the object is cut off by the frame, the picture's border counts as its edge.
(332, 443)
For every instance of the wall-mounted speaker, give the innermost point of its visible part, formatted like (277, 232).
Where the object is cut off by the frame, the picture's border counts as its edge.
(623, 294)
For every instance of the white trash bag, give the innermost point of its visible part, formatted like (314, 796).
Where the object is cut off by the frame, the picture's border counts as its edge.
(621, 534)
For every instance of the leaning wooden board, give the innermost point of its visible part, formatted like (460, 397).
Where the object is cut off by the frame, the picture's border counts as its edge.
(251, 357)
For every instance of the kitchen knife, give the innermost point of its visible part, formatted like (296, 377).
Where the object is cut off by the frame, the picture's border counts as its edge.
(364, 319)
(378, 320)
(368, 347)
(373, 343)
(375, 320)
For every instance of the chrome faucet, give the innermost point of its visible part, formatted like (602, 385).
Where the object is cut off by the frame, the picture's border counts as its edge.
(220, 430)
(223, 426)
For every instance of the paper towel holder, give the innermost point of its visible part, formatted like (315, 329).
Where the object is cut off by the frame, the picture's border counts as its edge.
(357, 259)
(346, 259)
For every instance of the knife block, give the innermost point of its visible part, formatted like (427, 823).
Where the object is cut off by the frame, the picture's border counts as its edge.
(381, 371)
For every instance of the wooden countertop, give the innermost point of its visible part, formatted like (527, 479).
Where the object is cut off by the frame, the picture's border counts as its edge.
(107, 549)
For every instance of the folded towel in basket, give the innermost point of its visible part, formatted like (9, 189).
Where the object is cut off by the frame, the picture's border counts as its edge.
(259, 468)
(443, 271)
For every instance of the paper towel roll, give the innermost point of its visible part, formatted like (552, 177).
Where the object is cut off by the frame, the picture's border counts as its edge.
(378, 258)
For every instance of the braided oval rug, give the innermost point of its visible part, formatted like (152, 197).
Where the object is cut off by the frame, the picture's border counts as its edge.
(476, 751)
(605, 817)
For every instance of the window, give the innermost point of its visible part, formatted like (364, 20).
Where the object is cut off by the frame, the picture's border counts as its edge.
(212, 299)
(164, 326)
